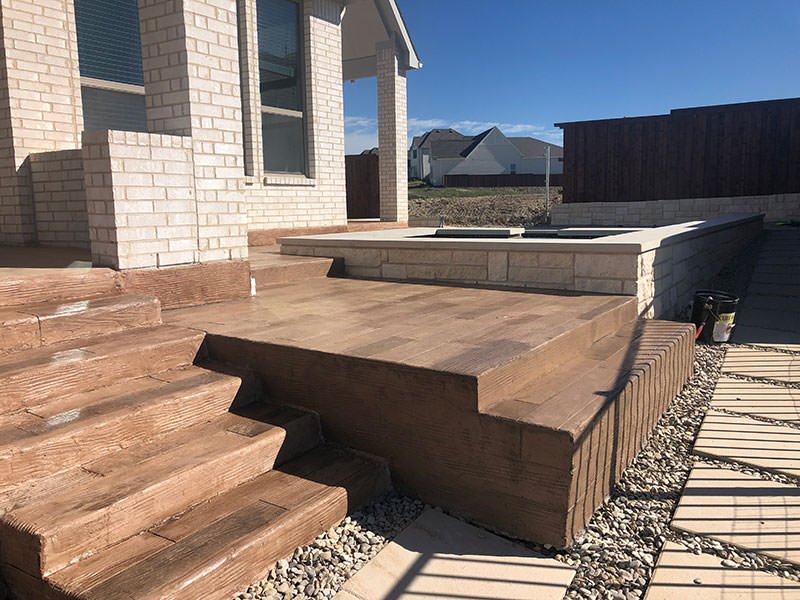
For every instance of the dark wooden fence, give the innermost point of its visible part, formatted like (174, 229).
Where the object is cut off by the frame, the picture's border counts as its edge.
(363, 186)
(507, 180)
(730, 150)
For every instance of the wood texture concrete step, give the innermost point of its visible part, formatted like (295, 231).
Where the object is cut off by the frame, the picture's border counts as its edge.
(564, 345)
(119, 495)
(33, 376)
(75, 428)
(590, 417)
(40, 286)
(269, 268)
(34, 325)
(221, 546)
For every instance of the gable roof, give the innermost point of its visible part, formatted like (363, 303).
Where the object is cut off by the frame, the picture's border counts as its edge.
(531, 147)
(450, 148)
(476, 140)
(366, 25)
(438, 134)
(449, 143)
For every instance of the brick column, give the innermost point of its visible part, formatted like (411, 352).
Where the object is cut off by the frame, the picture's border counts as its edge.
(392, 135)
(325, 103)
(190, 56)
(40, 101)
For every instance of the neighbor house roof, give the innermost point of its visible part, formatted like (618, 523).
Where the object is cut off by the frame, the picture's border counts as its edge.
(448, 143)
(450, 148)
(438, 134)
(530, 147)
(368, 24)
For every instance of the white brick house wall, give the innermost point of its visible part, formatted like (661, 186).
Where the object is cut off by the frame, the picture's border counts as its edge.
(318, 199)
(202, 99)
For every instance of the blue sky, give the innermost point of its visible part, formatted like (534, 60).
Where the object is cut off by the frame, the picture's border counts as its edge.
(526, 64)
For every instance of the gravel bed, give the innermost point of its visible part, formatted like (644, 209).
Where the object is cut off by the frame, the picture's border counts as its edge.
(616, 553)
(319, 569)
(792, 424)
(733, 465)
(736, 557)
(768, 348)
(767, 380)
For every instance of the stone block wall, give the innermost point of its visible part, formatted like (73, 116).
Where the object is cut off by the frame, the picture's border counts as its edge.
(141, 201)
(663, 276)
(59, 199)
(654, 213)
(669, 276)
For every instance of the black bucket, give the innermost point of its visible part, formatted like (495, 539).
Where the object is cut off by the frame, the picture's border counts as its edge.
(713, 313)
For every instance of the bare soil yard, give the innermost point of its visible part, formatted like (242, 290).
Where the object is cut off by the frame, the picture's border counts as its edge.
(479, 206)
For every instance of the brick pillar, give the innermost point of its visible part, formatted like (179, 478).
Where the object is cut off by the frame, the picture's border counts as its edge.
(325, 102)
(392, 135)
(190, 56)
(40, 101)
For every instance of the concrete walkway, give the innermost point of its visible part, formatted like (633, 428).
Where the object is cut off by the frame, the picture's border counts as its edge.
(754, 421)
(438, 557)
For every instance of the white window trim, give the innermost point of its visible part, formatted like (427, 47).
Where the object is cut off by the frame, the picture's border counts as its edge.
(114, 86)
(285, 112)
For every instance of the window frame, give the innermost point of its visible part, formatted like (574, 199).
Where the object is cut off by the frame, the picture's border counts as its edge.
(112, 85)
(285, 112)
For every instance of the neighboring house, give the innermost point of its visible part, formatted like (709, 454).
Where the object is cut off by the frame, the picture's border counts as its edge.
(419, 156)
(159, 133)
(447, 152)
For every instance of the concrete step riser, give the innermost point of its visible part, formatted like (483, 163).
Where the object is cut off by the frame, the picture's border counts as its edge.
(94, 437)
(48, 551)
(34, 327)
(508, 380)
(78, 369)
(290, 273)
(41, 286)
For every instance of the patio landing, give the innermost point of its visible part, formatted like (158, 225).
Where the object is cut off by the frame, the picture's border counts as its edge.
(517, 409)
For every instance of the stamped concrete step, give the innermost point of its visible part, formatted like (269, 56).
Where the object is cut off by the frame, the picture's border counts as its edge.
(73, 429)
(148, 483)
(582, 425)
(34, 325)
(269, 268)
(220, 547)
(39, 286)
(567, 342)
(33, 376)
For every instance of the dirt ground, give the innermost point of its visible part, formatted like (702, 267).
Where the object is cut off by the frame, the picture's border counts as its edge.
(519, 208)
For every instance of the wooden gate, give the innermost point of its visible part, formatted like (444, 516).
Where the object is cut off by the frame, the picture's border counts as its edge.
(363, 186)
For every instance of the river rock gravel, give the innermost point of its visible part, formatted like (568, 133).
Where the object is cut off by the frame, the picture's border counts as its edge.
(319, 569)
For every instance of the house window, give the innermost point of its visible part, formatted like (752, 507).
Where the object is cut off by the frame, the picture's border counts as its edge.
(513, 168)
(110, 59)
(280, 69)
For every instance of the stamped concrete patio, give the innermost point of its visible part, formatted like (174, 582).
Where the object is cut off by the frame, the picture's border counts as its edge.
(754, 422)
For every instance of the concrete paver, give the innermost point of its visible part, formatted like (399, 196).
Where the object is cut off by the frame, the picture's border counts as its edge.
(768, 338)
(757, 399)
(681, 574)
(741, 439)
(439, 557)
(779, 366)
(742, 510)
